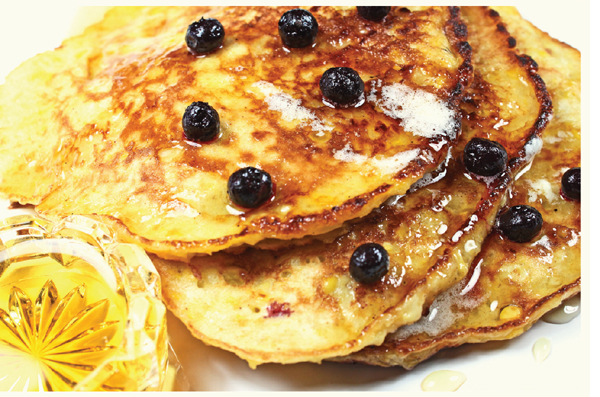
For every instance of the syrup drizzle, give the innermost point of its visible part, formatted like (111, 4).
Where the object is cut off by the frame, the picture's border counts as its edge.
(443, 380)
(541, 349)
(566, 312)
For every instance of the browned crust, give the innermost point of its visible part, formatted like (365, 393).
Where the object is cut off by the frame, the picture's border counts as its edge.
(546, 107)
(272, 226)
(444, 264)
(409, 355)
(457, 30)
(485, 211)
(300, 225)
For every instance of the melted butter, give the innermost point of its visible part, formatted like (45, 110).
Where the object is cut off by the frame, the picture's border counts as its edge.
(473, 280)
(541, 349)
(419, 111)
(385, 165)
(443, 380)
(566, 312)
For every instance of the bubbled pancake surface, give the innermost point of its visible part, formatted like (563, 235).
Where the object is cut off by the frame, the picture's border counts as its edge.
(529, 279)
(299, 303)
(94, 127)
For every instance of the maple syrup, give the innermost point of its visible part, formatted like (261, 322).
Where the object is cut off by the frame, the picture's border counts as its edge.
(78, 311)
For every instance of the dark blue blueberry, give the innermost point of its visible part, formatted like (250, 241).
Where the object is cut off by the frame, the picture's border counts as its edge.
(249, 187)
(571, 184)
(298, 28)
(369, 263)
(520, 223)
(204, 35)
(484, 157)
(342, 86)
(374, 14)
(200, 122)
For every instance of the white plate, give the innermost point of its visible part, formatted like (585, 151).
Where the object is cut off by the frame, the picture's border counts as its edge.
(494, 367)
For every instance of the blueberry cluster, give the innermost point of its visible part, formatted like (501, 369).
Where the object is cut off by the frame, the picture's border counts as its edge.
(341, 87)
(298, 28)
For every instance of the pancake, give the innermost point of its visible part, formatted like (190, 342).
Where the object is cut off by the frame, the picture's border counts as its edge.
(299, 303)
(94, 127)
(512, 285)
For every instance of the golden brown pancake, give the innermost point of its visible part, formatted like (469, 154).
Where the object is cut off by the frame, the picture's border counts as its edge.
(94, 127)
(300, 303)
(511, 285)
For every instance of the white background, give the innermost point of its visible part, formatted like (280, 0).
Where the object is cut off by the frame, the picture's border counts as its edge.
(495, 367)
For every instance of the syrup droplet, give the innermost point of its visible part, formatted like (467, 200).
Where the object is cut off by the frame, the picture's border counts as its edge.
(566, 312)
(233, 211)
(541, 349)
(443, 380)
(510, 312)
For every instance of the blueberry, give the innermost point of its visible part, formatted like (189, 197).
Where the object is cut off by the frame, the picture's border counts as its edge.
(204, 35)
(298, 28)
(520, 223)
(249, 187)
(200, 122)
(342, 86)
(571, 184)
(484, 157)
(369, 263)
(374, 14)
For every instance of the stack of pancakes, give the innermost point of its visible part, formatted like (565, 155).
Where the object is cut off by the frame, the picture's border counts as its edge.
(94, 128)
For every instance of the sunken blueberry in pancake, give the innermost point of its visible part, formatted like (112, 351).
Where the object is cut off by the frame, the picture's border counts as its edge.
(95, 126)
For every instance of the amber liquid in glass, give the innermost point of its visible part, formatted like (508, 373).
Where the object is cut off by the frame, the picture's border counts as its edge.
(61, 318)
(78, 310)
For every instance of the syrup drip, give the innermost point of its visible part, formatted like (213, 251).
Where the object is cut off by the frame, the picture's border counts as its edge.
(541, 349)
(566, 312)
(443, 380)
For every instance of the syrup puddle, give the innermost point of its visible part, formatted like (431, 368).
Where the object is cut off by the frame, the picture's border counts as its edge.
(541, 349)
(443, 380)
(566, 312)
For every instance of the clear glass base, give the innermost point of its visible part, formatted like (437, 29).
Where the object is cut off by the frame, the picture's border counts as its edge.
(78, 311)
